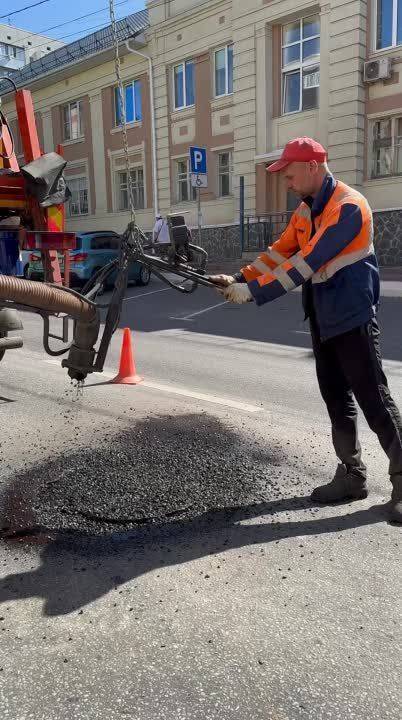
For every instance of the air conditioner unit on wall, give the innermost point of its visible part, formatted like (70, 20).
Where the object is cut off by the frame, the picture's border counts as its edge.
(379, 69)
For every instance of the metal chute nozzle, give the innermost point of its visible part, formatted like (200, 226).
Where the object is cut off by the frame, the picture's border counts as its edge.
(81, 357)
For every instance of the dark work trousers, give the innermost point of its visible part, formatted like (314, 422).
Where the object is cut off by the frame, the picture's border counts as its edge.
(350, 365)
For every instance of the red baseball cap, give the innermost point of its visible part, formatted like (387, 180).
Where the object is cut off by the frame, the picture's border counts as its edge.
(301, 149)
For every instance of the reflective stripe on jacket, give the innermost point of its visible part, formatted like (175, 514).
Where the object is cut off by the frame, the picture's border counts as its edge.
(330, 242)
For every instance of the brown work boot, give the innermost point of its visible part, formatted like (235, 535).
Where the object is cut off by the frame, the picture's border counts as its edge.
(346, 485)
(395, 510)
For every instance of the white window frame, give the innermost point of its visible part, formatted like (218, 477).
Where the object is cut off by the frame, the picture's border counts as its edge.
(117, 184)
(191, 191)
(229, 152)
(299, 65)
(126, 85)
(394, 27)
(226, 48)
(79, 107)
(183, 65)
(394, 145)
(74, 178)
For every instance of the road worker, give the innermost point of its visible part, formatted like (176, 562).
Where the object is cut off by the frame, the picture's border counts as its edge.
(328, 249)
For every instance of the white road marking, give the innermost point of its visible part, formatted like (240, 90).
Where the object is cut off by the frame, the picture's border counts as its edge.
(172, 317)
(184, 392)
(200, 312)
(227, 402)
(153, 292)
(302, 332)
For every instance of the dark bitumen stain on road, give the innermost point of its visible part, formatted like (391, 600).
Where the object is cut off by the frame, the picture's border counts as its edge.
(163, 469)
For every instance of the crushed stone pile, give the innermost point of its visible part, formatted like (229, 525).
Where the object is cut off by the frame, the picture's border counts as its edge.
(161, 470)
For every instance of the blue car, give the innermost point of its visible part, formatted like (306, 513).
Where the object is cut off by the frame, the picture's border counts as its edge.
(93, 251)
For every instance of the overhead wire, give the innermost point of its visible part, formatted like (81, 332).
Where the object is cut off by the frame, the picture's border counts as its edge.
(106, 27)
(28, 7)
(84, 30)
(68, 22)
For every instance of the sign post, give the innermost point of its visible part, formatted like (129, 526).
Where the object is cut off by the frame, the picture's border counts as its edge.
(199, 215)
(199, 177)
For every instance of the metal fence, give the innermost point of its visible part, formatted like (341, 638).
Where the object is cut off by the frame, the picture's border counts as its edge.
(262, 230)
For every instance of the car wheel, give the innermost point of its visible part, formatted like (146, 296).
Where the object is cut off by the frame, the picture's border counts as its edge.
(25, 272)
(144, 276)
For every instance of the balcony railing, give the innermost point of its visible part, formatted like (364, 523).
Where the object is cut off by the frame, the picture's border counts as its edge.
(387, 157)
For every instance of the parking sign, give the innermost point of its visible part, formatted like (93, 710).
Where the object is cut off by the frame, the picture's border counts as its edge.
(198, 160)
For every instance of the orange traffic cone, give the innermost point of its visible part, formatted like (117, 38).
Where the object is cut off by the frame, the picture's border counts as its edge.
(127, 373)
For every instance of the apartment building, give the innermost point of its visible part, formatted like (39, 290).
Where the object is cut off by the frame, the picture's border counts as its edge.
(240, 77)
(18, 47)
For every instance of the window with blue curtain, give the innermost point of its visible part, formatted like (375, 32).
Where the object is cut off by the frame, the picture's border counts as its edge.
(132, 100)
(388, 23)
(230, 69)
(183, 77)
(190, 83)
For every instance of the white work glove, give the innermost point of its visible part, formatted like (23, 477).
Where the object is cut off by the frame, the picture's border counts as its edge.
(221, 280)
(237, 293)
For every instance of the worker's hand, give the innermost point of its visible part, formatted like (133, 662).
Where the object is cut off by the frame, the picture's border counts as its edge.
(237, 293)
(221, 280)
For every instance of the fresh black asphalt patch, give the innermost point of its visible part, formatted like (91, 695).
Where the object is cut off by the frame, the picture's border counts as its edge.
(163, 469)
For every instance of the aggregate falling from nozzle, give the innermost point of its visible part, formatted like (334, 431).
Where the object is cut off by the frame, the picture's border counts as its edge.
(77, 387)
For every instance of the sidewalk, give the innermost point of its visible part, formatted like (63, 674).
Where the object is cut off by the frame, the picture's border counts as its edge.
(391, 273)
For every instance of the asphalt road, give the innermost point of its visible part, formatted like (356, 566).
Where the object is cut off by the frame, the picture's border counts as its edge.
(169, 562)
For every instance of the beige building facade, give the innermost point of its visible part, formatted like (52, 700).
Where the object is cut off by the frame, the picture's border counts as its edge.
(241, 78)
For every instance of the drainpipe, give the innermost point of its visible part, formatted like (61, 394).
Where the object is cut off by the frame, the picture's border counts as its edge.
(151, 85)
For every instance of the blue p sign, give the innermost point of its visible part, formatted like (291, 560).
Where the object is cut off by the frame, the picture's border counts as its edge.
(198, 160)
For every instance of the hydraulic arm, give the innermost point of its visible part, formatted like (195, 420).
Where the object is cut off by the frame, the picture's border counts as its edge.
(34, 196)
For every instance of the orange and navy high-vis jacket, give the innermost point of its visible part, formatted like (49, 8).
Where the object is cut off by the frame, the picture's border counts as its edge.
(328, 242)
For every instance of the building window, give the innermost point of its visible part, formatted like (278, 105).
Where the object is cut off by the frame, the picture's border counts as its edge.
(72, 116)
(300, 65)
(183, 81)
(78, 204)
(225, 172)
(11, 51)
(224, 71)
(132, 102)
(387, 147)
(388, 23)
(184, 190)
(137, 188)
